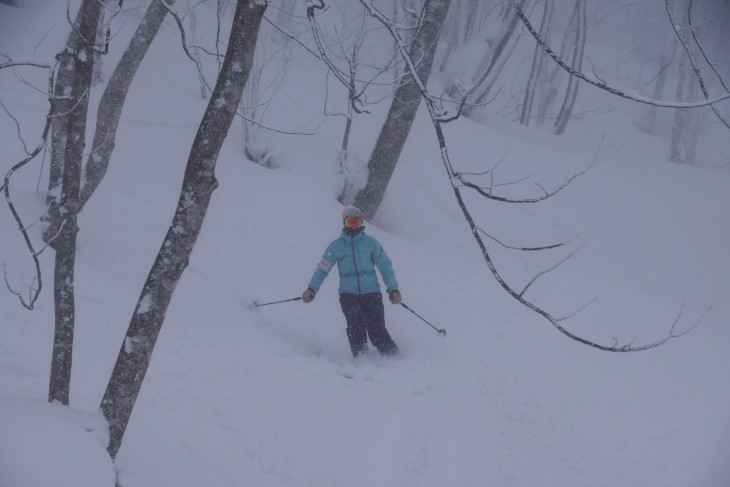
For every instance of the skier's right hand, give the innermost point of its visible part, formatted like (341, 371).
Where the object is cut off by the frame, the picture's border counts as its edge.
(308, 295)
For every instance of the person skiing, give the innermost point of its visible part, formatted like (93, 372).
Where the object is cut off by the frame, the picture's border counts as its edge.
(357, 255)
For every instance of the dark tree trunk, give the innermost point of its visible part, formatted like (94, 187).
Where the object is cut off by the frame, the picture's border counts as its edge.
(112, 101)
(402, 111)
(198, 185)
(76, 64)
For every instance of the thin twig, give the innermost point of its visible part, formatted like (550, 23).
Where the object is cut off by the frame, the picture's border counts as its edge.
(548, 270)
(17, 126)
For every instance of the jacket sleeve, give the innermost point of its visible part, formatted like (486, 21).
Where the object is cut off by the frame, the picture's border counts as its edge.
(385, 266)
(323, 268)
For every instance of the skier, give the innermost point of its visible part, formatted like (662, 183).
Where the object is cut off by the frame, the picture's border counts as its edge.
(357, 255)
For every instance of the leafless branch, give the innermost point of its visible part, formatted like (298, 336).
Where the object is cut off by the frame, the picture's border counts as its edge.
(464, 96)
(701, 48)
(10, 63)
(435, 115)
(17, 126)
(52, 238)
(548, 270)
(6, 188)
(91, 43)
(27, 83)
(525, 249)
(602, 85)
(692, 61)
(30, 288)
(183, 39)
(487, 192)
(572, 314)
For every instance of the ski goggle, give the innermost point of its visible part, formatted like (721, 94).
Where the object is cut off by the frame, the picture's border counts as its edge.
(353, 222)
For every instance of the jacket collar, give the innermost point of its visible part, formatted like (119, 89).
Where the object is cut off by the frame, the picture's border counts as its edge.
(346, 235)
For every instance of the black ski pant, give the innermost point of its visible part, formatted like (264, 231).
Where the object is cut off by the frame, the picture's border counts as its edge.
(365, 317)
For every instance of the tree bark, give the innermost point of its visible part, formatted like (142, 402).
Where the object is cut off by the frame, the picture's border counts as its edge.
(199, 183)
(402, 111)
(76, 64)
(115, 94)
(62, 106)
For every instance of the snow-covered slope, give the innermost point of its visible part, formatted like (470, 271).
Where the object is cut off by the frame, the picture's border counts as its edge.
(272, 397)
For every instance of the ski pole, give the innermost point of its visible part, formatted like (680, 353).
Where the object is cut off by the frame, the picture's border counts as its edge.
(440, 330)
(256, 305)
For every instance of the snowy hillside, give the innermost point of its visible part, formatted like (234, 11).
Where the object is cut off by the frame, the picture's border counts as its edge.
(272, 397)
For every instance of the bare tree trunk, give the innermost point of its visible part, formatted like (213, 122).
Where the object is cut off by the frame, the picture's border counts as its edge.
(115, 94)
(61, 106)
(402, 111)
(75, 72)
(497, 58)
(198, 186)
(572, 91)
(537, 59)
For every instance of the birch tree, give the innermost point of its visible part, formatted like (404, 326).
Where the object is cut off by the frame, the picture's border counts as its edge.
(198, 185)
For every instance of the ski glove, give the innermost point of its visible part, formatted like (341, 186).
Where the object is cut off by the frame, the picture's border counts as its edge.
(395, 297)
(308, 296)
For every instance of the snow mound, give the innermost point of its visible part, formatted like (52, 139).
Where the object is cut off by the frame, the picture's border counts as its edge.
(50, 444)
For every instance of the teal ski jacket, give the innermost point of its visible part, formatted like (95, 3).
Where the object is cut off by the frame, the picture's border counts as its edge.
(356, 258)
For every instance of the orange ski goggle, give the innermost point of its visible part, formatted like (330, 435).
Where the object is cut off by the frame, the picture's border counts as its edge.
(353, 222)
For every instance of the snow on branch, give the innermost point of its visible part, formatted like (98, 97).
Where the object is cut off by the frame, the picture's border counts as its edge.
(592, 80)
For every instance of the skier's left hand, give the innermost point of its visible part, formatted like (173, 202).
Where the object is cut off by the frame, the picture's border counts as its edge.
(395, 297)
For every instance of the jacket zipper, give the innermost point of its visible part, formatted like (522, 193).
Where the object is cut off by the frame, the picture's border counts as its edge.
(354, 261)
